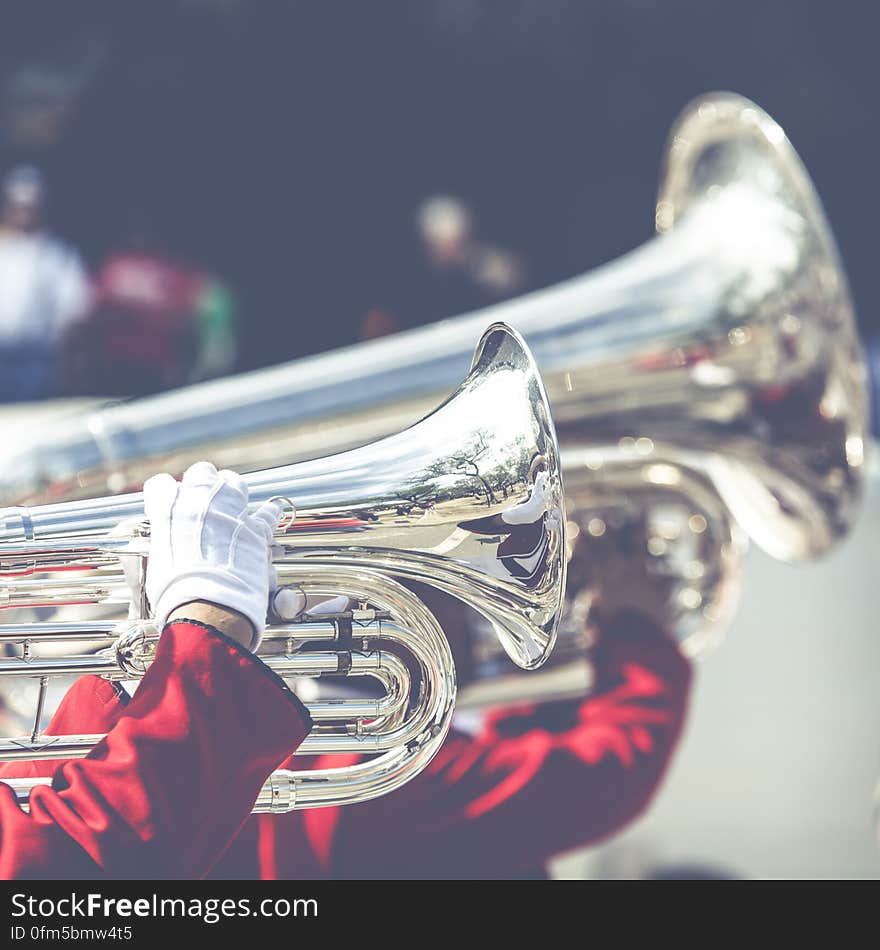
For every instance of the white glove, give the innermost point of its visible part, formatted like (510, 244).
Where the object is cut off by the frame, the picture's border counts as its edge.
(205, 546)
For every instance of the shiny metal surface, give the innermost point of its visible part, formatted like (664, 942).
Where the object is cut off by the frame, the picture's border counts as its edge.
(715, 366)
(403, 738)
(468, 501)
(655, 538)
(730, 336)
(629, 505)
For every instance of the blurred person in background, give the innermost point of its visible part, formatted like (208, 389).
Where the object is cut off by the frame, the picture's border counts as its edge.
(448, 271)
(445, 227)
(43, 289)
(155, 323)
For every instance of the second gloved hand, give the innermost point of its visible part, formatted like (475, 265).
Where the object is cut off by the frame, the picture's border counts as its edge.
(204, 545)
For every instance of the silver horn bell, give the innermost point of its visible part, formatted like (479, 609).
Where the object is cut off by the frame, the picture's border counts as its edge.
(716, 368)
(726, 344)
(469, 500)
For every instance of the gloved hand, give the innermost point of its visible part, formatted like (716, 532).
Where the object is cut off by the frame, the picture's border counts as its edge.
(204, 545)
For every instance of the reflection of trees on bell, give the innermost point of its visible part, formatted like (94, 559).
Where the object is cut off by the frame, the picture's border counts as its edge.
(510, 472)
(445, 479)
(468, 462)
(437, 483)
(408, 505)
(477, 469)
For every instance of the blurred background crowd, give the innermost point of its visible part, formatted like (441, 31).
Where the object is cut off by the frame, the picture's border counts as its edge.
(194, 187)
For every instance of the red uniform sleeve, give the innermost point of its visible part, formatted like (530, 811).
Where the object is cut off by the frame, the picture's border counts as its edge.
(536, 782)
(176, 776)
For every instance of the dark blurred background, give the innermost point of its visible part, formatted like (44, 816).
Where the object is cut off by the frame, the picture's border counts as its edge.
(286, 146)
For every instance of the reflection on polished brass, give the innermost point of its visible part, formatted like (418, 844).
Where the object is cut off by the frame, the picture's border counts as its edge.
(468, 501)
(731, 336)
(654, 539)
(725, 347)
(717, 366)
(668, 519)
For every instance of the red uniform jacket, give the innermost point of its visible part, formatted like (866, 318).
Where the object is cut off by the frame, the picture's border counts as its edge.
(175, 777)
(535, 782)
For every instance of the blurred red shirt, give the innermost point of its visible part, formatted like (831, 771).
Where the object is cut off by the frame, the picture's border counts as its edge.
(534, 782)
